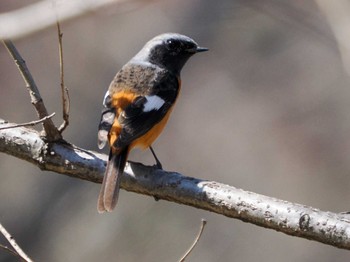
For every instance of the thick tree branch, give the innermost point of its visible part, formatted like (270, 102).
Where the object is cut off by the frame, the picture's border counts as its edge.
(289, 218)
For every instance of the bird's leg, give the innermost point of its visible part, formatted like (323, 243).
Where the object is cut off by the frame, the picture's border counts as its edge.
(158, 164)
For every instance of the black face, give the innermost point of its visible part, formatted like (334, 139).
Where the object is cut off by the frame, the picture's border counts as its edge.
(173, 53)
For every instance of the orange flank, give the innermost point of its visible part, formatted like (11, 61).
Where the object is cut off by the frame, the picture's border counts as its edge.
(120, 101)
(147, 139)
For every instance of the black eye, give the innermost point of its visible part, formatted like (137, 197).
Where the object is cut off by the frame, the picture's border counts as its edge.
(173, 44)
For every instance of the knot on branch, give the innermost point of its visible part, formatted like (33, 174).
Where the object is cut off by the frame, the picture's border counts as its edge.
(304, 222)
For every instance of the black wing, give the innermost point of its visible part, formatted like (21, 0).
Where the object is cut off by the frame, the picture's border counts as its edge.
(137, 118)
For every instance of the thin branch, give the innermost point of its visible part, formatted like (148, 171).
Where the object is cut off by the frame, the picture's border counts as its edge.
(12, 252)
(290, 218)
(51, 132)
(337, 14)
(204, 222)
(64, 89)
(31, 123)
(13, 243)
(22, 22)
(293, 13)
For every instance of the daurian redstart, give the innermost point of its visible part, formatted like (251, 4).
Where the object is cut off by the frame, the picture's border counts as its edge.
(138, 104)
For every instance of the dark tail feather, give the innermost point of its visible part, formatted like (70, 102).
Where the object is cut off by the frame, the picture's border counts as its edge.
(108, 197)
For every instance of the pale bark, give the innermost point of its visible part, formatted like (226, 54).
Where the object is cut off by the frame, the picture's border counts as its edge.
(289, 218)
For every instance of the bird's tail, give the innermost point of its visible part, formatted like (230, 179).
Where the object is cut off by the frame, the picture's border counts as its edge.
(108, 197)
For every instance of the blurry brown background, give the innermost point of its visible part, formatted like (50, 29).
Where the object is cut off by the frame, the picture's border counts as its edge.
(266, 110)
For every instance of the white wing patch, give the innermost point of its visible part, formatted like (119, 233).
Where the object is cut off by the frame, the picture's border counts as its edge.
(105, 98)
(153, 103)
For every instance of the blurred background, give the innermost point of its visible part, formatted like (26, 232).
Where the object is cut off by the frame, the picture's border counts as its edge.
(266, 110)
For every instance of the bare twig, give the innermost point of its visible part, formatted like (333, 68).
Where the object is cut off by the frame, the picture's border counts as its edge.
(290, 218)
(22, 22)
(31, 123)
(13, 243)
(51, 132)
(12, 252)
(204, 222)
(292, 13)
(64, 89)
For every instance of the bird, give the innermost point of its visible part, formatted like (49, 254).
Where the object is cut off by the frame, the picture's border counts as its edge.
(138, 103)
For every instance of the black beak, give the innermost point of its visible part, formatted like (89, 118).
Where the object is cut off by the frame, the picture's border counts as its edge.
(197, 50)
(201, 49)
